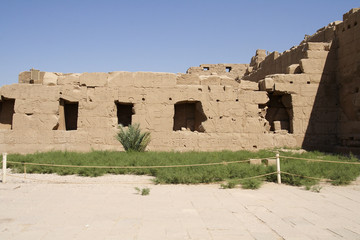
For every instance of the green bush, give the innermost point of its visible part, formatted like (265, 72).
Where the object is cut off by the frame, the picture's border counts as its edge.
(132, 139)
(229, 184)
(251, 183)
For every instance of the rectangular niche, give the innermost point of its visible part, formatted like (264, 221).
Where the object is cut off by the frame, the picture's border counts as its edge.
(6, 113)
(279, 113)
(124, 113)
(68, 115)
(189, 115)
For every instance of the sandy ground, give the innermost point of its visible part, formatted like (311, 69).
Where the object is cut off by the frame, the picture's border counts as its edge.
(108, 207)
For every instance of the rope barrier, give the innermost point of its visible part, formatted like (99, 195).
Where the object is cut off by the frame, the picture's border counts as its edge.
(136, 167)
(297, 175)
(318, 160)
(259, 176)
(178, 166)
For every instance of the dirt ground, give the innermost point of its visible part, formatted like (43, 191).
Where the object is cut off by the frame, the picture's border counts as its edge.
(71, 207)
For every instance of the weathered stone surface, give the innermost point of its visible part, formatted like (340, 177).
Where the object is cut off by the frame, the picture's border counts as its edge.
(306, 96)
(293, 69)
(318, 46)
(50, 79)
(312, 65)
(255, 161)
(69, 79)
(187, 79)
(35, 106)
(93, 79)
(34, 121)
(270, 162)
(266, 84)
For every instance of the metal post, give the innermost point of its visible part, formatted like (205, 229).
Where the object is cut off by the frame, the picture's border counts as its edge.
(278, 168)
(4, 167)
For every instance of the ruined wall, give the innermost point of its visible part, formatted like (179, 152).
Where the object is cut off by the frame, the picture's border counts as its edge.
(348, 78)
(219, 113)
(327, 110)
(228, 70)
(277, 63)
(307, 97)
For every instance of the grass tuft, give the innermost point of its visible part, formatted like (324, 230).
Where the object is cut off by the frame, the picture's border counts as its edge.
(143, 191)
(251, 183)
(229, 184)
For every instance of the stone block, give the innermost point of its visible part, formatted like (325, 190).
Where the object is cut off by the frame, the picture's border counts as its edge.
(103, 94)
(96, 122)
(293, 69)
(255, 161)
(309, 90)
(316, 54)
(266, 84)
(187, 79)
(287, 88)
(30, 91)
(284, 140)
(130, 95)
(281, 125)
(253, 125)
(34, 121)
(61, 136)
(154, 79)
(73, 93)
(24, 77)
(97, 109)
(50, 78)
(259, 97)
(312, 65)
(121, 79)
(270, 162)
(249, 85)
(95, 79)
(289, 78)
(32, 106)
(229, 82)
(211, 80)
(142, 79)
(317, 46)
(161, 124)
(69, 79)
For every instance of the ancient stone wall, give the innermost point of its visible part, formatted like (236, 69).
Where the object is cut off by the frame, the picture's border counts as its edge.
(307, 96)
(82, 111)
(348, 78)
(312, 94)
(277, 63)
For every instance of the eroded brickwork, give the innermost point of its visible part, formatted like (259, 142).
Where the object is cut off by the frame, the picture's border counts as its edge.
(307, 96)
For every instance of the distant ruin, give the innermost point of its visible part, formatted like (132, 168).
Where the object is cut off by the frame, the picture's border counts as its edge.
(306, 97)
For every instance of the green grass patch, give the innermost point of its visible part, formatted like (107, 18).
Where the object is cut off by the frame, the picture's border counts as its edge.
(340, 174)
(251, 183)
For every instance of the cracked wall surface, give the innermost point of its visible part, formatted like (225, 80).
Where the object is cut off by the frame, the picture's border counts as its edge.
(307, 96)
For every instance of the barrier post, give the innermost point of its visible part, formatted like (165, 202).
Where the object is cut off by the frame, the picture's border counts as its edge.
(25, 170)
(278, 168)
(4, 168)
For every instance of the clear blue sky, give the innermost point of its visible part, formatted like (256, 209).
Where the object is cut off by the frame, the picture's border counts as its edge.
(151, 35)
